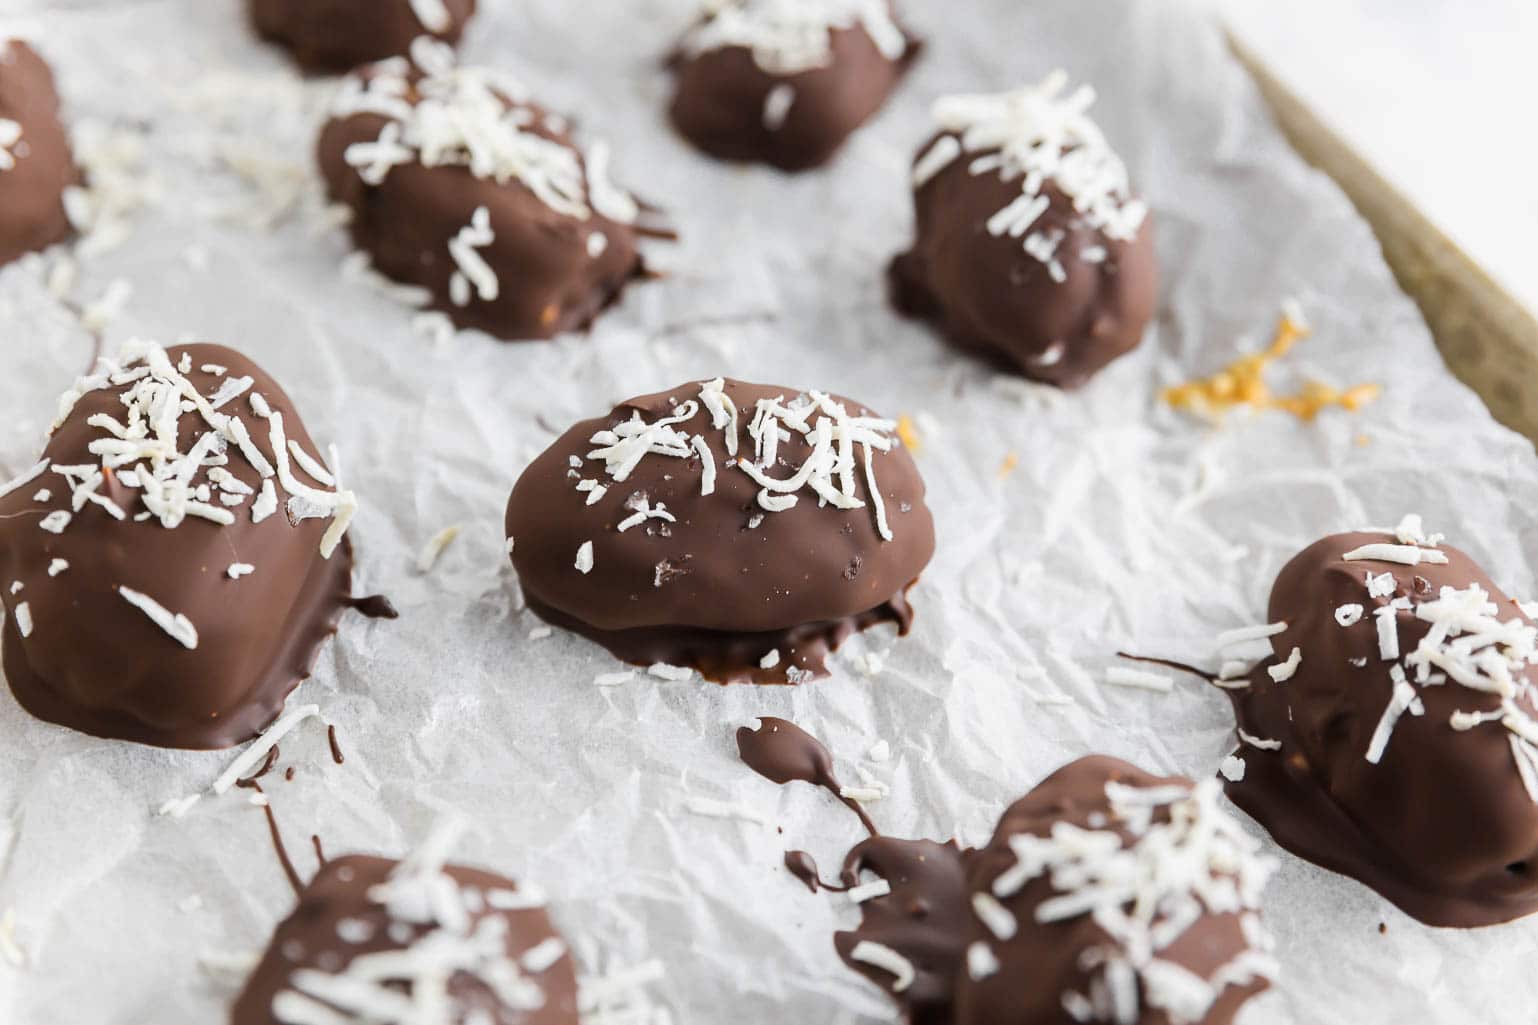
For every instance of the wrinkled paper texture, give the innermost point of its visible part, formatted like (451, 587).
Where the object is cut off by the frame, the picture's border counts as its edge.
(1123, 525)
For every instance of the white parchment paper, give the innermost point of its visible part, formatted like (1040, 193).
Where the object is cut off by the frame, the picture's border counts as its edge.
(1123, 525)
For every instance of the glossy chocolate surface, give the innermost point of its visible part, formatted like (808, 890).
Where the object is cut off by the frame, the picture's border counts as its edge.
(721, 584)
(1441, 824)
(93, 661)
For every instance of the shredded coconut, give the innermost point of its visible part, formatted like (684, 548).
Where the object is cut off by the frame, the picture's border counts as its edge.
(787, 37)
(475, 118)
(1038, 136)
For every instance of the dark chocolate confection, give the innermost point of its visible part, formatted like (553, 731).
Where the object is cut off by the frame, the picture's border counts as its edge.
(155, 588)
(1375, 744)
(369, 935)
(1028, 247)
(1106, 889)
(786, 83)
(339, 35)
(746, 572)
(1106, 894)
(526, 240)
(35, 162)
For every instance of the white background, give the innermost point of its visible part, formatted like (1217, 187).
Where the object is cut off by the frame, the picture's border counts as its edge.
(1438, 94)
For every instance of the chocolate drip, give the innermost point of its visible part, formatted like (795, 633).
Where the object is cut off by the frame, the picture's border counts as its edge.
(320, 854)
(724, 657)
(279, 848)
(374, 606)
(782, 752)
(926, 916)
(923, 918)
(804, 867)
(1179, 667)
(336, 748)
(262, 770)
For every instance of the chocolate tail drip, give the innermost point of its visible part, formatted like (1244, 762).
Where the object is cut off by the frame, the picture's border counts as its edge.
(1180, 667)
(278, 846)
(374, 606)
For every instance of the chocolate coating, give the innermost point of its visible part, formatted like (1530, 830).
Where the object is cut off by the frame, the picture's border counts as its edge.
(339, 35)
(725, 583)
(1442, 826)
(924, 919)
(722, 96)
(95, 663)
(1044, 960)
(986, 294)
(31, 192)
(1106, 894)
(337, 904)
(552, 275)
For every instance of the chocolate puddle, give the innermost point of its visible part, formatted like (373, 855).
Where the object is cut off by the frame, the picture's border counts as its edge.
(923, 918)
(782, 752)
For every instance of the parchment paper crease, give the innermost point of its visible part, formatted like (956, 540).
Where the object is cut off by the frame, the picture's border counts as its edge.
(1123, 525)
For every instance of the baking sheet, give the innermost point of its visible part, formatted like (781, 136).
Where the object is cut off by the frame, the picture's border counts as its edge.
(1122, 525)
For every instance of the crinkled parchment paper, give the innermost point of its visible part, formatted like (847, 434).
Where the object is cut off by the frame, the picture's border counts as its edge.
(1122, 526)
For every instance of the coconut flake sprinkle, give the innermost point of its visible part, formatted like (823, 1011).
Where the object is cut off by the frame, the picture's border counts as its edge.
(476, 118)
(1465, 643)
(428, 557)
(433, 14)
(177, 626)
(10, 135)
(440, 932)
(787, 37)
(1407, 555)
(143, 447)
(1173, 856)
(830, 471)
(1039, 136)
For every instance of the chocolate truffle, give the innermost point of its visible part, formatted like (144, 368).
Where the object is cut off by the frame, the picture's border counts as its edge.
(1111, 895)
(35, 162)
(339, 35)
(172, 564)
(464, 190)
(738, 529)
(375, 940)
(1029, 247)
(1390, 736)
(785, 82)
